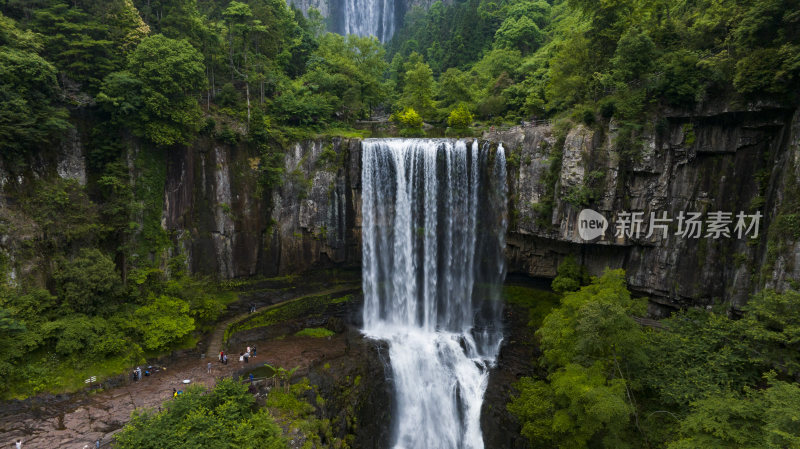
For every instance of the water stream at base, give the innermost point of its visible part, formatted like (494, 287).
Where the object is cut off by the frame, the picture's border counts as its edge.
(434, 220)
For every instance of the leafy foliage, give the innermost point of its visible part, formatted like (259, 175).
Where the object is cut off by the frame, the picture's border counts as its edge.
(460, 117)
(223, 417)
(574, 54)
(89, 283)
(410, 122)
(29, 116)
(591, 345)
(697, 380)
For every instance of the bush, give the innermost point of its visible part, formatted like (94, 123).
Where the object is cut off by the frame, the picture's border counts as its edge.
(224, 417)
(410, 122)
(460, 118)
(570, 276)
(228, 96)
(89, 283)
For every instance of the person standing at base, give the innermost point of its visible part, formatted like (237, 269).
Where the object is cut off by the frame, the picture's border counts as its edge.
(208, 368)
(19, 444)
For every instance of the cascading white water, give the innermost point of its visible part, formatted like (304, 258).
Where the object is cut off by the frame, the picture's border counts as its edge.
(434, 222)
(369, 18)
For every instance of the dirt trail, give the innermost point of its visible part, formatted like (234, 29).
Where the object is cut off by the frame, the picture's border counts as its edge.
(88, 416)
(99, 416)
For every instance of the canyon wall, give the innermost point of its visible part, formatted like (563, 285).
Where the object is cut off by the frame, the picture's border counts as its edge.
(217, 213)
(229, 225)
(706, 161)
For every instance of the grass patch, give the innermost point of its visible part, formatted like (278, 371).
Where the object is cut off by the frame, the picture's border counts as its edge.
(305, 306)
(539, 302)
(315, 332)
(347, 133)
(48, 374)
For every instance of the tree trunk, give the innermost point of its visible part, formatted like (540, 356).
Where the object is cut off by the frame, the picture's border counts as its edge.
(247, 86)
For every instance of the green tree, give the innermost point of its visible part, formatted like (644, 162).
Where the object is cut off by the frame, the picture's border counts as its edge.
(170, 73)
(162, 322)
(699, 355)
(223, 417)
(570, 276)
(454, 88)
(346, 73)
(418, 88)
(460, 117)
(89, 283)
(756, 419)
(592, 347)
(772, 323)
(10, 328)
(522, 34)
(29, 114)
(634, 55)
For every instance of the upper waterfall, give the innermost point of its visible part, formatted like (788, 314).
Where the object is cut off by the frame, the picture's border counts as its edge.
(434, 221)
(369, 18)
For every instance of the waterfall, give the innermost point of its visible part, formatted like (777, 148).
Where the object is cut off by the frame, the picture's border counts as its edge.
(434, 220)
(369, 18)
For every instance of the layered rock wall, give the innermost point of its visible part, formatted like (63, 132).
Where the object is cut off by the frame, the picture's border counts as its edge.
(730, 161)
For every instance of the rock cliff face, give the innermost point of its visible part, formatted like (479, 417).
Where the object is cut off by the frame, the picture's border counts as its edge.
(729, 161)
(227, 225)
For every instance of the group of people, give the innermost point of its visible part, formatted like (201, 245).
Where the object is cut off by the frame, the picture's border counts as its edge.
(249, 352)
(244, 356)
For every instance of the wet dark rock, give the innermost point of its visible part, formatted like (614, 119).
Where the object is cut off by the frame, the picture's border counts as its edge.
(517, 356)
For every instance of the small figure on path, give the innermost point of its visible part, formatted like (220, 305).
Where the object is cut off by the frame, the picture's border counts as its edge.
(174, 393)
(224, 359)
(254, 352)
(208, 368)
(221, 353)
(19, 444)
(248, 350)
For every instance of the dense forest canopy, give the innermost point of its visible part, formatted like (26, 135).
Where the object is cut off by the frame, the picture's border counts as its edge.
(598, 59)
